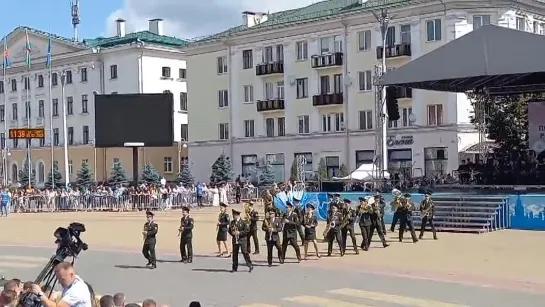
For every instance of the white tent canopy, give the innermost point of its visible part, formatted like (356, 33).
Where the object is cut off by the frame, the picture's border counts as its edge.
(366, 172)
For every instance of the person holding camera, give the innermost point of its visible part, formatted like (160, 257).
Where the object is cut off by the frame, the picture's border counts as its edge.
(75, 292)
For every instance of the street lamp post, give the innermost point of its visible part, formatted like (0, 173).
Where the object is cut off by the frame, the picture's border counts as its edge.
(64, 130)
(181, 145)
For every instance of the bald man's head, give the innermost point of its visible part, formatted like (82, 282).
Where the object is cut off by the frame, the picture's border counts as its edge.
(65, 273)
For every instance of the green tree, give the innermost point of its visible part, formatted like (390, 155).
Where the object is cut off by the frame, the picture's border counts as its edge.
(84, 177)
(23, 175)
(150, 175)
(55, 177)
(117, 174)
(321, 174)
(343, 171)
(267, 176)
(504, 118)
(185, 177)
(222, 170)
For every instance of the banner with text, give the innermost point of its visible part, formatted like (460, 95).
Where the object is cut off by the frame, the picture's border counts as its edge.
(536, 126)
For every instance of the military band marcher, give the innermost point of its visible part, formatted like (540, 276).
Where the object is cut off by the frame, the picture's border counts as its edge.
(347, 226)
(379, 199)
(239, 229)
(298, 209)
(406, 217)
(272, 226)
(427, 212)
(289, 237)
(310, 222)
(364, 221)
(222, 230)
(186, 236)
(149, 233)
(253, 217)
(376, 224)
(333, 230)
(396, 208)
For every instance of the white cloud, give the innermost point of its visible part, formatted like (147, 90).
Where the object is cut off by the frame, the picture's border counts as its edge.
(192, 18)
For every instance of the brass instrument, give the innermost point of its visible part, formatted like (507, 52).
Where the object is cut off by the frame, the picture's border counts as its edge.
(345, 218)
(247, 211)
(428, 210)
(328, 228)
(235, 232)
(270, 228)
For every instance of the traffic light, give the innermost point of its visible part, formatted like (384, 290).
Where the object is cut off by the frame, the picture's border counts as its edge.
(392, 108)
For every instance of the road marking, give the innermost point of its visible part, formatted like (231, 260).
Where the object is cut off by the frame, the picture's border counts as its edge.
(320, 301)
(390, 298)
(18, 265)
(259, 305)
(24, 258)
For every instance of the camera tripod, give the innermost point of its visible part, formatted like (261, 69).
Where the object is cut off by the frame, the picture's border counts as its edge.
(46, 279)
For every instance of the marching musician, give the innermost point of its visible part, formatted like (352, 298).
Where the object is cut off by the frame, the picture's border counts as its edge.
(406, 217)
(364, 216)
(379, 199)
(396, 207)
(272, 226)
(427, 211)
(310, 222)
(289, 235)
(253, 217)
(347, 226)
(150, 232)
(298, 209)
(376, 224)
(222, 229)
(239, 229)
(333, 230)
(186, 236)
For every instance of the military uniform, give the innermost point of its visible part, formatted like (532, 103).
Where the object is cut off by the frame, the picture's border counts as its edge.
(347, 226)
(406, 218)
(186, 236)
(150, 233)
(334, 234)
(381, 205)
(377, 221)
(300, 215)
(396, 208)
(272, 226)
(364, 217)
(289, 235)
(427, 211)
(239, 229)
(310, 222)
(253, 219)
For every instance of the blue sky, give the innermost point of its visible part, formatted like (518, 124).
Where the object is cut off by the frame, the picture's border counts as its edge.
(54, 16)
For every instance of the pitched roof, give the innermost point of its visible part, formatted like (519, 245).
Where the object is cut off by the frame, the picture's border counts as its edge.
(142, 36)
(490, 56)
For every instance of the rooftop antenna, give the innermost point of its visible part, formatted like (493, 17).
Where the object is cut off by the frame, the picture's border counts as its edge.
(75, 18)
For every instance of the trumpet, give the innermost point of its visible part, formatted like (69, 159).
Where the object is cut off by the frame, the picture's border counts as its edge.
(235, 232)
(270, 229)
(328, 228)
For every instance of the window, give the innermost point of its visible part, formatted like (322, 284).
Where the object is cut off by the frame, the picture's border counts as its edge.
(1, 86)
(332, 122)
(83, 74)
(480, 20)
(338, 43)
(84, 103)
(364, 157)
(248, 93)
(301, 48)
(249, 167)
(15, 143)
(435, 161)
(400, 161)
(364, 40)
(535, 27)
(55, 107)
(167, 164)
(391, 36)
(184, 132)
(521, 24)
(269, 127)
(281, 122)
(405, 31)
(165, 72)
(276, 161)
(70, 135)
(2, 140)
(70, 105)
(433, 30)
(222, 65)
(2, 113)
(68, 77)
(392, 124)
(54, 79)
(56, 136)
(183, 101)
(332, 164)
(304, 124)
(40, 80)
(406, 117)
(325, 43)
(324, 85)
(223, 98)
(267, 54)
(338, 83)
(435, 114)
(280, 90)
(247, 59)
(14, 114)
(27, 109)
(13, 85)
(366, 120)
(182, 73)
(249, 128)
(365, 80)
(269, 90)
(70, 167)
(224, 131)
(85, 130)
(302, 88)
(305, 158)
(113, 72)
(279, 52)
(26, 83)
(42, 142)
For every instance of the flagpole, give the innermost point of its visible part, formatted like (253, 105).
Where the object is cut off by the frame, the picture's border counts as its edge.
(6, 132)
(51, 139)
(27, 108)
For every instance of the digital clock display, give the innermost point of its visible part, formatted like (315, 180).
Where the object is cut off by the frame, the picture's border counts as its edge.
(27, 133)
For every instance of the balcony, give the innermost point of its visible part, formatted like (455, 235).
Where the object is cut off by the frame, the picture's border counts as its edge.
(404, 92)
(395, 51)
(327, 99)
(275, 104)
(327, 60)
(265, 69)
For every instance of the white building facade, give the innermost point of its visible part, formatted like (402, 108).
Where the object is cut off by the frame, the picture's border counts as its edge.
(285, 88)
(141, 62)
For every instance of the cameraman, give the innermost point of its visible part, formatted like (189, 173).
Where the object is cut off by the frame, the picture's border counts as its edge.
(75, 292)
